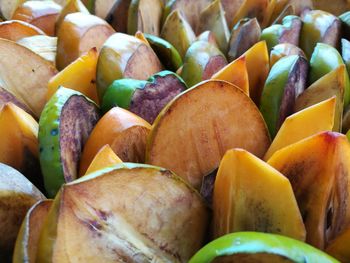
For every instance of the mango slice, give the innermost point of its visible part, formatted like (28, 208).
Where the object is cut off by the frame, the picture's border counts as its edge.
(251, 8)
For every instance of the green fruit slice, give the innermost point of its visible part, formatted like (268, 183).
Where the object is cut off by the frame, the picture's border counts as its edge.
(64, 127)
(253, 243)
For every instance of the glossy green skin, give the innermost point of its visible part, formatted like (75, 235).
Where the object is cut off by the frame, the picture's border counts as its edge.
(49, 140)
(315, 25)
(273, 91)
(324, 59)
(121, 92)
(166, 52)
(254, 242)
(273, 33)
(197, 57)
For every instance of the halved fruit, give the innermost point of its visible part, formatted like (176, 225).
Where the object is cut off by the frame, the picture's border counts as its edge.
(202, 124)
(318, 170)
(339, 248)
(29, 81)
(77, 34)
(104, 157)
(29, 233)
(257, 59)
(7, 8)
(236, 73)
(124, 131)
(80, 75)
(282, 50)
(250, 195)
(60, 145)
(15, 30)
(124, 56)
(103, 214)
(19, 145)
(303, 124)
(17, 195)
(42, 14)
(332, 84)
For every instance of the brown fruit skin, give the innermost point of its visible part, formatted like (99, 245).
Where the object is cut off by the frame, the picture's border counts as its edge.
(42, 14)
(77, 34)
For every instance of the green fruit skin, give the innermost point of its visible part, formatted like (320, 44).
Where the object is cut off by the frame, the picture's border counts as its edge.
(197, 57)
(49, 140)
(166, 52)
(273, 91)
(133, 17)
(254, 242)
(324, 59)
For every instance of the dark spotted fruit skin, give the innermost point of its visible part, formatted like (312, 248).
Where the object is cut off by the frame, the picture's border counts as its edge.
(144, 98)
(65, 124)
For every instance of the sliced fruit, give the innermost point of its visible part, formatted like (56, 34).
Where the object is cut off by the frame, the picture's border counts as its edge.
(72, 6)
(319, 26)
(29, 233)
(177, 31)
(15, 30)
(142, 37)
(325, 59)
(236, 73)
(259, 246)
(165, 51)
(201, 62)
(7, 8)
(77, 34)
(6, 97)
(245, 34)
(257, 59)
(345, 53)
(318, 170)
(250, 9)
(205, 118)
(80, 75)
(103, 214)
(42, 14)
(337, 7)
(118, 15)
(104, 157)
(231, 7)
(339, 248)
(282, 50)
(145, 16)
(29, 81)
(345, 20)
(212, 18)
(250, 195)
(60, 145)
(288, 32)
(303, 124)
(124, 131)
(44, 46)
(208, 36)
(124, 56)
(101, 7)
(332, 84)
(286, 81)
(144, 98)
(17, 195)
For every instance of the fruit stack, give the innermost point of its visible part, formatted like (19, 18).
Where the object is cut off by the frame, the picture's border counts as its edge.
(174, 131)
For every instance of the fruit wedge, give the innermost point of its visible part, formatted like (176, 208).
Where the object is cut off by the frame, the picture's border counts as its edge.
(104, 158)
(124, 56)
(77, 34)
(207, 36)
(6, 97)
(17, 195)
(250, 195)
(7, 8)
(101, 7)
(337, 7)
(80, 75)
(318, 170)
(104, 214)
(60, 145)
(202, 124)
(29, 81)
(124, 131)
(282, 50)
(286, 81)
(338, 248)
(201, 62)
(303, 124)
(117, 16)
(231, 7)
(29, 233)
(236, 73)
(144, 98)
(15, 30)
(250, 9)
(332, 84)
(72, 6)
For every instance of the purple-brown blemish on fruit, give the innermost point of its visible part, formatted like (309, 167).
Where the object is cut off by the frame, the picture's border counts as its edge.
(214, 65)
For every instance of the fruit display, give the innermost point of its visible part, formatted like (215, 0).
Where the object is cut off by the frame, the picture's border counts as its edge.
(174, 131)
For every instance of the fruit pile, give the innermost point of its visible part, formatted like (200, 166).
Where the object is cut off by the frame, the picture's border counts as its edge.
(174, 131)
